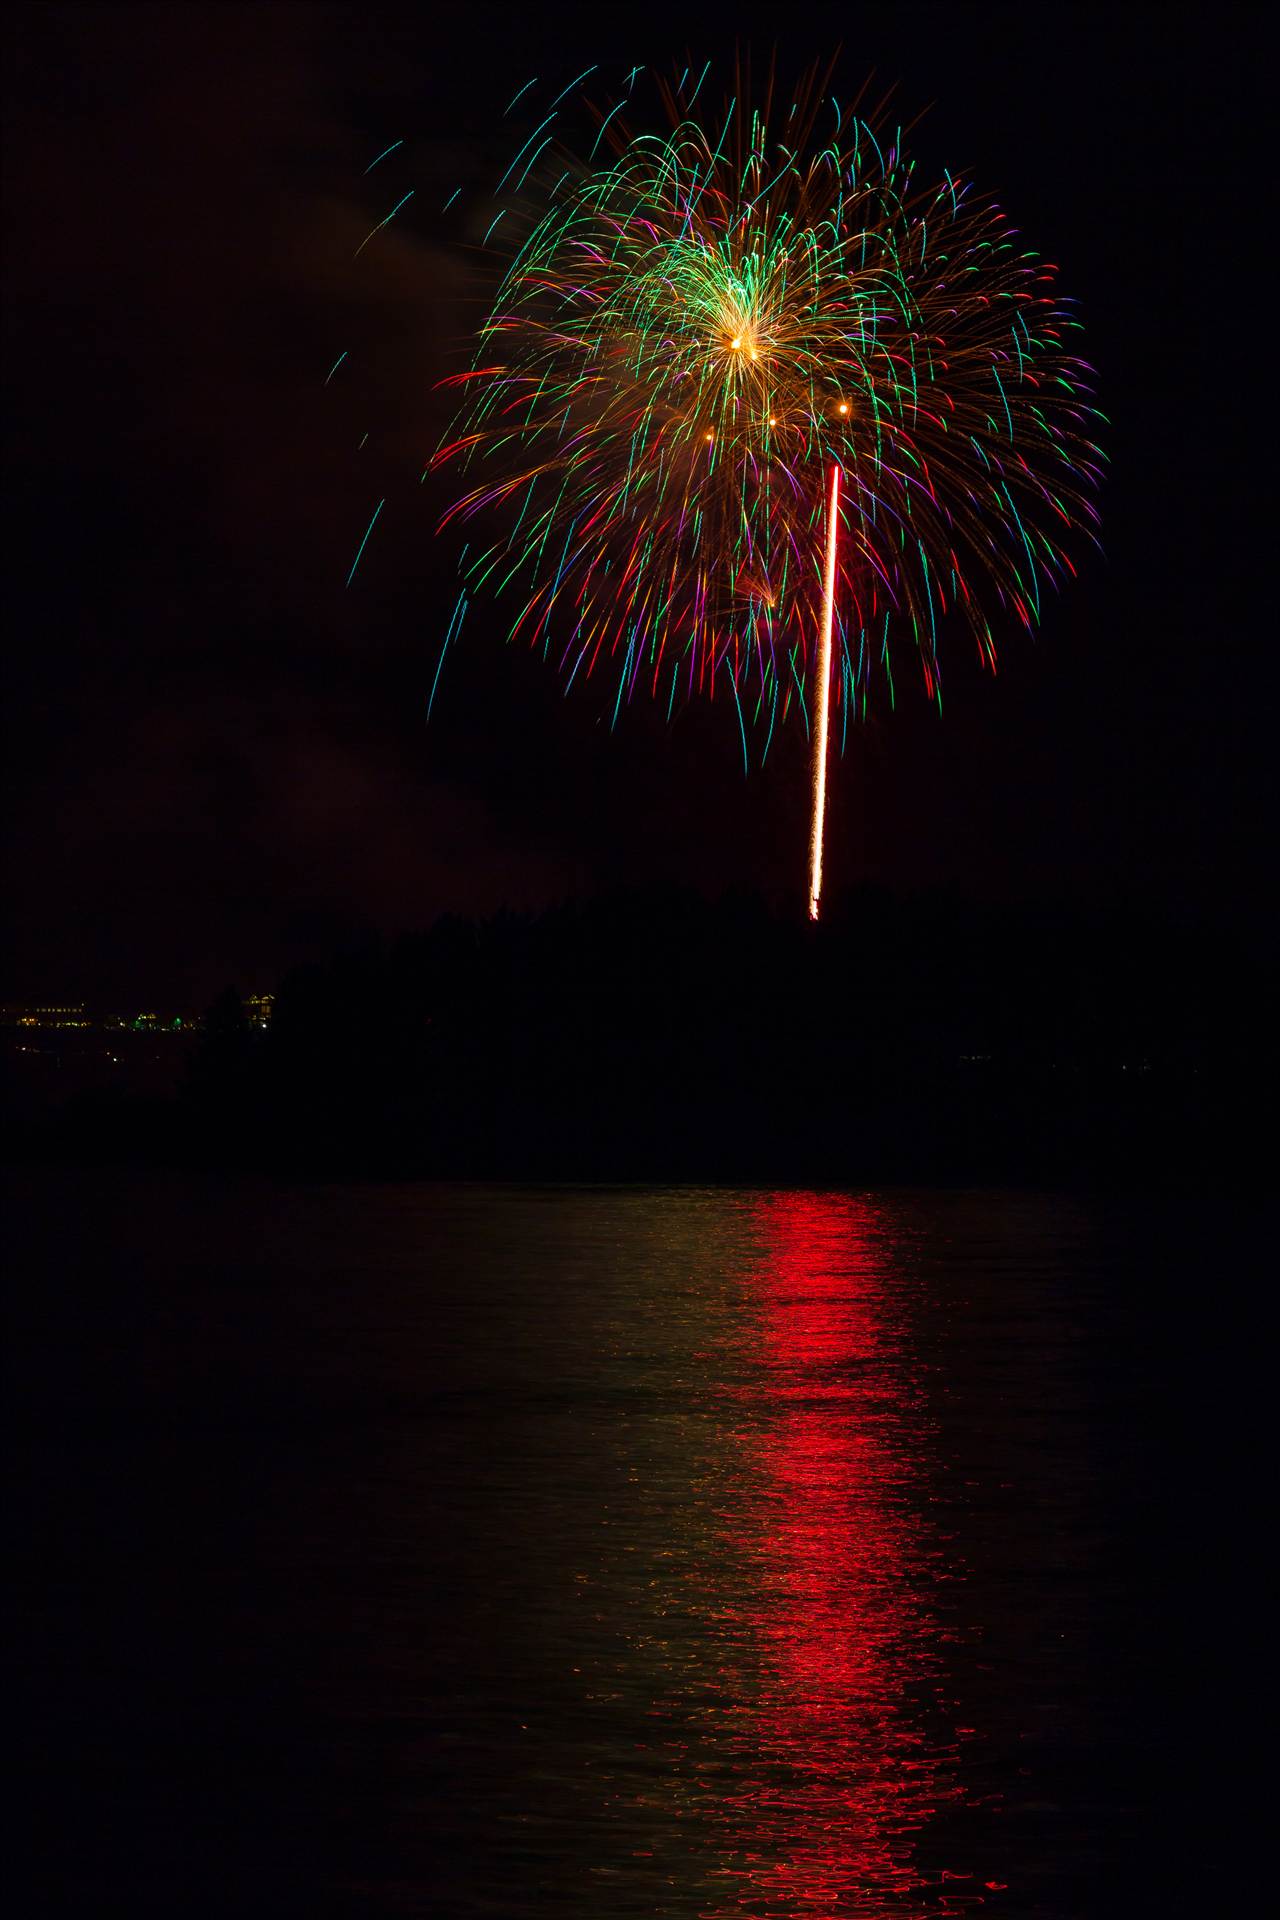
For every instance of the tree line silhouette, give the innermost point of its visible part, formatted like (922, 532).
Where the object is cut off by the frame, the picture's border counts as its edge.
(668, 1037)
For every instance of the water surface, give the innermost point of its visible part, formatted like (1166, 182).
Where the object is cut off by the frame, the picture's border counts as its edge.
(497, 1551)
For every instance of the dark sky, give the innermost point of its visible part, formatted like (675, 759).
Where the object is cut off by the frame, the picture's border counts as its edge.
(218, 758)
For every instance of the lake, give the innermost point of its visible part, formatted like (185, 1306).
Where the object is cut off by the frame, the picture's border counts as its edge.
(425, 1550)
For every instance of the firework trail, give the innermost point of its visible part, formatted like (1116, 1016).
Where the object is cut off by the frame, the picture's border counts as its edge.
(711, 341)
(824, 702)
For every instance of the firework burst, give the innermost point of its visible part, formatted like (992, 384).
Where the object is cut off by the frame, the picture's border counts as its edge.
(752, 410)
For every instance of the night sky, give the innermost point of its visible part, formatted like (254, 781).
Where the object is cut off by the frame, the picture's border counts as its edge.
(218, 758)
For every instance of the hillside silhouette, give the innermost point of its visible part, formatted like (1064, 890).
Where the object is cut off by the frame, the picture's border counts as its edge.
(665, 1037)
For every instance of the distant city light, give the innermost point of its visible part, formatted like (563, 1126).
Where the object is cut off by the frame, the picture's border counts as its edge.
(41, 1016)
(45, 1016)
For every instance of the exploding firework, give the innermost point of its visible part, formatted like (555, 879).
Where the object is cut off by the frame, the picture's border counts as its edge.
(752, 410)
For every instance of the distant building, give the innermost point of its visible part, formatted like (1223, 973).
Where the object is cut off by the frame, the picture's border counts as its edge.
(149, 1023)
(28, 1017)
(258, 1009)
(31, 1018)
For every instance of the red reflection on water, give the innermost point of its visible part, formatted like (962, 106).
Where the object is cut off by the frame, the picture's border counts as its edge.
(849, 1765)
